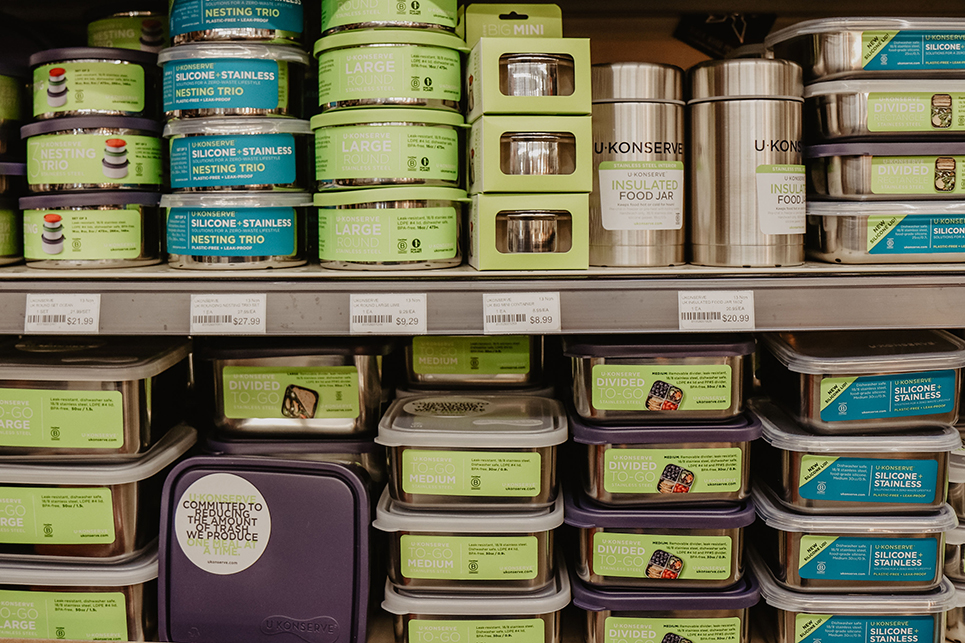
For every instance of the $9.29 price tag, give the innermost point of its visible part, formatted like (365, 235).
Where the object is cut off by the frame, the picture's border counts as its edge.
(62, 313)
(388, 314)
(716, 310)
(521, 313)
(229, 314)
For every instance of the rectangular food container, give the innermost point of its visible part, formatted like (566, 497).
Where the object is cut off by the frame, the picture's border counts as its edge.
(461, 453)
(659, 378)
(545, 390)
(689, 464)
(876, 381)
(85, 511)
(956, 482)
(955, 616)
(476, 552)
(853, 474)
(954, 550)
(89, 397)
(294, 387)
(495, 361)
(853, 553)
(669, 549)
(80, 601)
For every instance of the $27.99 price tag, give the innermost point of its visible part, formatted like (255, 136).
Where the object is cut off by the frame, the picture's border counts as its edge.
(62, 313)
(521, 313)
(716, 310)
(229, 314)
(388, 314)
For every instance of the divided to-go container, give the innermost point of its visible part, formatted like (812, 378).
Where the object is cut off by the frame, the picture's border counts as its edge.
(256, 547)
(85, 510)
(956, 483)
(268, 21)
(851, 553)
(80, 601)
(460, 453)
(689, 464)
(478, 552)
(864, 381)
(955, 616)
(853, 474)
(498, 362)
(659, 378)
(685, 549)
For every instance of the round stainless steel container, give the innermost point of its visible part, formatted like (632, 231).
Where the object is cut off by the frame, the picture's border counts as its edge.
(11, 238)
(532, 231)
(746, 175)
(535, 75)
(13, 108)
(351, 15)
(637, 204)
(12, 178)
(267, 21)
(141, 26)
(527, 153)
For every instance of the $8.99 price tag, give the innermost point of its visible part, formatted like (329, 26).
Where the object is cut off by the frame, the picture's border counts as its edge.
(521, 313)
(62, 313)
(716, 310)
(388, 314)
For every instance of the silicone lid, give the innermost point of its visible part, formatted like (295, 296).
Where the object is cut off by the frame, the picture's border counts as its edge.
(214, 51)
(237, 200)
(236, 126)
(959, 594)
(392, 517)
(68, 54)
(884, 149)
(889, 85)
(866, 351)
(743, 428)
(89, 359)
(90, 122)
(838, 25)
(955, 536)
(141, 569)
(889, 208)
(776, 517)
(387, 115)
(956, 466)
(382, 195)
(88, 199)
(582, 513)
(13, 169)
(464, 422)
(252, 348)
(362, 37)
(620, 346)
(218, 445)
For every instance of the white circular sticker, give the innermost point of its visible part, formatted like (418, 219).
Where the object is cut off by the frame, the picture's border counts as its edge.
(223, 523)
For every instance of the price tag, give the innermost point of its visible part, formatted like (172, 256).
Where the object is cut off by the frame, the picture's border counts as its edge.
(521, 313)
(62, 313)
(385, 314)
(229, 314)
(716, 310)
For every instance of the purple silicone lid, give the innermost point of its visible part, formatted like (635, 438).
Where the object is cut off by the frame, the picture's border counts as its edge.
(13, 169)
(312, 578)
(68, 54)
(90, 122)
(885, 149)
(619, 346)
(229, 348)
(743, 428)
(85, 199)
(216, 445)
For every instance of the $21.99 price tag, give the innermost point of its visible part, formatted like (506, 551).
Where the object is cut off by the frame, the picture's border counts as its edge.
(521, 313)
(716, 310)
(62, 313)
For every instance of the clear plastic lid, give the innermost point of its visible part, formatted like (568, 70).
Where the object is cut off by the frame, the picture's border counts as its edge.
(214, 51)
(839, 25)
(956, 466)
(236, 126)
(473, 422)
(780, 431)
(955, 536)
(380, 37)
(775, 516)
(959, 594)
(237, 200)
(583, 513)
(141, 569)
(885, 208)
(543, 390)
(390, 516)
(889, 85)
(388, 195)
(866, 351)
(646, 346)
(387, 116)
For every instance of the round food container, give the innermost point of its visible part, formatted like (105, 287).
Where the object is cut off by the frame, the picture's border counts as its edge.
(378, 147)
(875, 381)
(670, 549)
(141, 25)
(851, 553)
(536, 74)
(81, 601)
(407, 228)
(209, 80)
(956, 483)
(94, 153)
(524, 153)
(13, 110)
(11, 234)
(346, 15)
(477, 552)
(444, 362)
(379, 68)
(844, 474)
(683, 464)
(659, 378)
(269, 21)
(954, 550)
(269, 154)
(92, 230)
(12, 178)
(955, 616)
(236, 230)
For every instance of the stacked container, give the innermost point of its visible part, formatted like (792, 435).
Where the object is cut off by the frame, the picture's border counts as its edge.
(13, 96)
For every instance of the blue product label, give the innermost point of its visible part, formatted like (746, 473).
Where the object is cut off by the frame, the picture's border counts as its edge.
(199, 15)
(887, 396)
(868, 559)
(215, 84)
(913, 50)
(827, 628)
(920, 234)
(860, 480)
(206, 161)
(231, 232)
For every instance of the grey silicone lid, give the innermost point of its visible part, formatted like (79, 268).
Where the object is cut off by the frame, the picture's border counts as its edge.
(141, 569)
(68, 54)
(217, 445)
(88, 199)
(884, 149)
(391, 517)
(13, 169)
(743, 428)
(90, 122)
(620, 346)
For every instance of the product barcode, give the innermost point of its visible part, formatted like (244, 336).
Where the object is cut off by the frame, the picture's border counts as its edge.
(46, 319)
(505, 319)
(699, 316)
(212, 319)
(372, 319)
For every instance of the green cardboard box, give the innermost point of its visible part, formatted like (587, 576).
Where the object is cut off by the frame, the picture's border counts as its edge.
(509, 21)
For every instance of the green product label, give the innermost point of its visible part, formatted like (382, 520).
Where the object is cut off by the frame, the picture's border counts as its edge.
(497, 630)
(92, 158)
(937, 175)
(72, 235)
(11, 98)
(641, 195)
(672, 470)
(89, 616)
(470, 355)
(101, 86)
(10, 233)
(470, 557)
(780, 199)
(916, 112)
(665, 557)
(673, 630)
(662, 388)
(301, 393)
(54, 516)
(133, 32)
(354, 73)
(468, 473)
(339, 13)
(405, 234)
(387, 152)
(69, 419)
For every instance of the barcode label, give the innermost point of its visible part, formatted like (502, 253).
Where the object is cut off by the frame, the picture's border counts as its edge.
(388, 314)
(212, 319)
(46, 319)
(372, 319)
(521, 313)
(62, 313)
(716, 310)
(506, 319)
(691, 316)
(229, 314)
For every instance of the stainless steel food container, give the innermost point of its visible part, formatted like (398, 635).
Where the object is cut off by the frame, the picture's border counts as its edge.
(850, 553)
(12, 181)
(954, 550)
(659, 378)
(830, 48)
(526, 153)
(265, 21)
(536, 74)
(480, 362)
(839, 382)
(678, 549)
(346, 15)
(405, 228)
(955, 616)
(746, 173)
(11, 231)
(83, 510)
(141, 26)
(72, 397)
(844, 474)
(478, 552)
(81, 601)
(486, 453)
(534, 231)
(13, 108)
(688, 464)
(956, 482)
(283, 387)
(637, 205)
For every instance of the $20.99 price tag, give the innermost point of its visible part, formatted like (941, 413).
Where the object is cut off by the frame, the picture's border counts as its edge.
(521, 313)
(716, 310)
(62, 313)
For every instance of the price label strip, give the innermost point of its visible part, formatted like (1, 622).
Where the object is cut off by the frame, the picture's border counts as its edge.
(229, 314)
(716, 310)
(521, 313)
(62, 313)
(388, 314)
